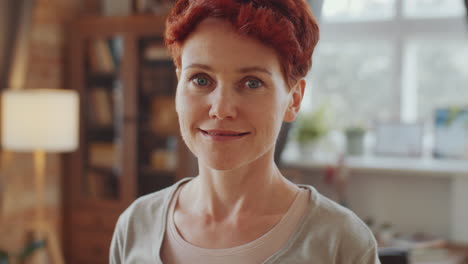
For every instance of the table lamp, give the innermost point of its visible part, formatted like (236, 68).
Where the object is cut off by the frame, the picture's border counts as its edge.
(40, 121)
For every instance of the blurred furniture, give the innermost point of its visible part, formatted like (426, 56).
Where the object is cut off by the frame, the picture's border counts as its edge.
(40, 121)
(446, 252)
(442, 183)
(129, 138)
(393, 256)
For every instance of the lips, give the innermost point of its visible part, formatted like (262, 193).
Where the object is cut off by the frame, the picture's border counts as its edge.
(223, 134)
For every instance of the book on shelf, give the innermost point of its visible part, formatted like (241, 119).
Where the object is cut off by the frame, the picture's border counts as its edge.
(164, 116)
(164, 160)
(156, 52)
(101, 107)
(116, 50)
(102, 154)
(99, 185)
(100, 57)
(160, 80)
(155, 7)
(116, 7)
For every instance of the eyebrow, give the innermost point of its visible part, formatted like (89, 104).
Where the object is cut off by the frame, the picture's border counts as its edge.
(241, 70)
(252, 69)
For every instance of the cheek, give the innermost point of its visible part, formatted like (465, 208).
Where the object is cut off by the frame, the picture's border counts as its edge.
(188, 108)
(269, 115)
(182, 111)
(186, 118)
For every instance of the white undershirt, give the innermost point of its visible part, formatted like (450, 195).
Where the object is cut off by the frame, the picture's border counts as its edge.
(175, 250)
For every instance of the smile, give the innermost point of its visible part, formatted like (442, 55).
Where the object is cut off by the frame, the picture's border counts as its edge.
(223, 134)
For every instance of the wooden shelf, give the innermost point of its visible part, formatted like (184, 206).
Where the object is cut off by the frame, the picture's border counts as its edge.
(105, 134)
(131, 143)
(101, 79)
(103, 170)
(157, 63)
(147, 170)
(412, 166)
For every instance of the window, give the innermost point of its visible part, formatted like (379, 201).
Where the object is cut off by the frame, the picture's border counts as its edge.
(433, 8)
(440, 75)
(389, 60)
(347, 72)
(346, 10)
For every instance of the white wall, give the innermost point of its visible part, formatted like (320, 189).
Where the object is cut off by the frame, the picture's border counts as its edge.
(411, 203)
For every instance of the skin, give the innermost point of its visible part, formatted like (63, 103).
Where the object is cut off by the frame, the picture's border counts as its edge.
(229, 82)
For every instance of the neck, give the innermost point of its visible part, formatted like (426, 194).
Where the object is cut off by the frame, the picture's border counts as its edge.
(248, 190)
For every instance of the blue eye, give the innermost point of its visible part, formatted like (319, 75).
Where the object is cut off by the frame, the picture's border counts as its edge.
(253, 84)
(201, 81)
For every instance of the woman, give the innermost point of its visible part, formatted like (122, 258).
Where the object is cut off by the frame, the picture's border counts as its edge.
(240, 66)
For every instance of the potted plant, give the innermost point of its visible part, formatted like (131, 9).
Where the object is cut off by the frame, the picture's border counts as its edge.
(310, 127)
(355, 140)
(22, 256)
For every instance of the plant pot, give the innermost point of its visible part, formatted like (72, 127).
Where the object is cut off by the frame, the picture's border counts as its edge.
(307, 149)
(355, 143)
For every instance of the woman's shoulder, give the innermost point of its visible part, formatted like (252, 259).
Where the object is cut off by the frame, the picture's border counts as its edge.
(324, 210)
(141, 227)
(336, 230)
(149, 206)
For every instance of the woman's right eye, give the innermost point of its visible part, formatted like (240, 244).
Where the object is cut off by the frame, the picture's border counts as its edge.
(200, 80)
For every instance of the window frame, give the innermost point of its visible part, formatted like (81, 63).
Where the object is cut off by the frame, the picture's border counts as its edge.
(400, 31)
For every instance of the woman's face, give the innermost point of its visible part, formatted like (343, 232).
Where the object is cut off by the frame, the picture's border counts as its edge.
(231, 97)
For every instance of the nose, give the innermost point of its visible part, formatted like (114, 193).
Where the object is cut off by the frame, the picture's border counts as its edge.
(223, 104)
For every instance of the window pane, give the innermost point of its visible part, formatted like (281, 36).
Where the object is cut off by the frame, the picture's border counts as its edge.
(358, 10)
(433, 8)
(355, 80)
(441, 74)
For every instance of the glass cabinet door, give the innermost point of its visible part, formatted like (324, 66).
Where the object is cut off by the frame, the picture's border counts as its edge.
(158, 128)
(103, 121)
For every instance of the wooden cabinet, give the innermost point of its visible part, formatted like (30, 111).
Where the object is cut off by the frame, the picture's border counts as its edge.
(129, 137)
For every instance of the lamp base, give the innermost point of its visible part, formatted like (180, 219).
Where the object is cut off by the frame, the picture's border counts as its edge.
(44, 232)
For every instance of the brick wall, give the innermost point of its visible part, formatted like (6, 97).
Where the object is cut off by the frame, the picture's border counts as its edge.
(46, 66)
(47, 45)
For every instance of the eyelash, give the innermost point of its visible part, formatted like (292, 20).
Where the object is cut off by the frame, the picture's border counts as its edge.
(242, 83)
(245, 80)
(199, 75)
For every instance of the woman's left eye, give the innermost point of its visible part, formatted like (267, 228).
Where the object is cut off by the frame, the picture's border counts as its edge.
(253, 83)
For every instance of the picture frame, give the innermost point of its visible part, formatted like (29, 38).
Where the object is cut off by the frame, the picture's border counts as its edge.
(451, 133)
(399, 139)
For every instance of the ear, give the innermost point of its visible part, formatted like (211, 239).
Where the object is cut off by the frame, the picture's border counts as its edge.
(297, 93)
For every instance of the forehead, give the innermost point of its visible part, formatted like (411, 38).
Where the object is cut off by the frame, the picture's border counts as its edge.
(216, 43)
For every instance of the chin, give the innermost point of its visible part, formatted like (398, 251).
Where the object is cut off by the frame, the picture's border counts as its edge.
(224, 162)
(221, 164)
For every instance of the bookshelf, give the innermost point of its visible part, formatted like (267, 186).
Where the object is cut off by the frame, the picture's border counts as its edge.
(129, 137)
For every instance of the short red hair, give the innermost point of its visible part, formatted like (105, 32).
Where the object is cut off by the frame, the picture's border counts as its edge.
(286, 25)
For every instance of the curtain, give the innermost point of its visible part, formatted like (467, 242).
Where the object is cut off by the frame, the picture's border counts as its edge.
(13, 15)
(466, 7)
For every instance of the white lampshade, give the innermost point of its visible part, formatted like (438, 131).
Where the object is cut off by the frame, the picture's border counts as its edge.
(40, 119)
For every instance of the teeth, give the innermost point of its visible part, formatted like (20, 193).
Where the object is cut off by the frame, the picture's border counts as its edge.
(217, 134)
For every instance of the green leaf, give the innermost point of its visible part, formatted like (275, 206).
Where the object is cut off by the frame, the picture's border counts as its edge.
(311, 126)
(29, 249)
(3, 257)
